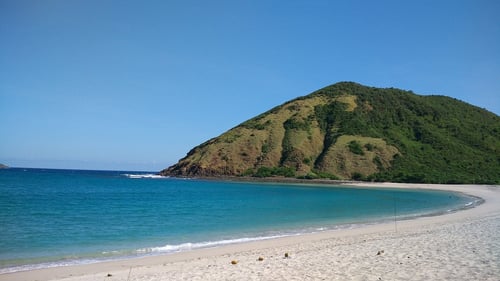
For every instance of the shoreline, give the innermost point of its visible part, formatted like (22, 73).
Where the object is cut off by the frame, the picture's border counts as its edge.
(170, 263)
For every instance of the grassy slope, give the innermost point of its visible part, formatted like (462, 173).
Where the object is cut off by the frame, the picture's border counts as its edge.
(351, 131)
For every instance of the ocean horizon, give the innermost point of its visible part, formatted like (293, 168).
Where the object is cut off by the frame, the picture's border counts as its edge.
(54, 217)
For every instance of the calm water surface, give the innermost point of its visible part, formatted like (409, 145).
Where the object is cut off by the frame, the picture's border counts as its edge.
(57, 217)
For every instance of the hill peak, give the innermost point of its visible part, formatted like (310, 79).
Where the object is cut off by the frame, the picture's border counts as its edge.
(350, 131)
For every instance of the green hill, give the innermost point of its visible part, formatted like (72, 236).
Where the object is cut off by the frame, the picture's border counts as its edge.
(350, 131)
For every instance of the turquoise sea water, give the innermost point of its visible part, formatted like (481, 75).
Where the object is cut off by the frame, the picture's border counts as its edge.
(59, 217)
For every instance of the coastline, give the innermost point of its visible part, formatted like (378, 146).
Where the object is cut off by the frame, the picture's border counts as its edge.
(352, 245)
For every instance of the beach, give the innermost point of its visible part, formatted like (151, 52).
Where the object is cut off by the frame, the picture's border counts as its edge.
(463, 245)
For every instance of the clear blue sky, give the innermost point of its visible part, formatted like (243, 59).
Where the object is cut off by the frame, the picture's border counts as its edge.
(135, 85)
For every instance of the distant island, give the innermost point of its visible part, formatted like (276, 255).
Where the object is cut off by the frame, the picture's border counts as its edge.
(2, 166)
(348, 131)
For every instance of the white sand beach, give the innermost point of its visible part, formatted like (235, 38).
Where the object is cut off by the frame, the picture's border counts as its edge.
(464, 245)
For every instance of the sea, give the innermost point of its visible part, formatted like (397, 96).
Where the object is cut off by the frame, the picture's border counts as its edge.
(52, 217)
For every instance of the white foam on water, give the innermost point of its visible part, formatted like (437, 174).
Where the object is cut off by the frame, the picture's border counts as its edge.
(119, 255)
(46, 265)
(208, 244)
(145, 176)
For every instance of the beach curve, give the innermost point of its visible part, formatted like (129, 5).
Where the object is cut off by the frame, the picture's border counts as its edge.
(463, 245)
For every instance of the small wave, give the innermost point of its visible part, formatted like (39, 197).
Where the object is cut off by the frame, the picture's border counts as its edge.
(44, 265)
(144, 176)
(117, 255)
(474, 203)
(209, 244)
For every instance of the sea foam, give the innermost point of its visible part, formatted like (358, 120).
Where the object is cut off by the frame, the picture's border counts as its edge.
(209, 244)
(145, 176)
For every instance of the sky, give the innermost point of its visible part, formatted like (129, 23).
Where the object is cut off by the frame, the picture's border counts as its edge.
(134, 85)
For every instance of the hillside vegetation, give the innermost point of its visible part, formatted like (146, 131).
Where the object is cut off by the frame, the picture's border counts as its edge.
(350, 131)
